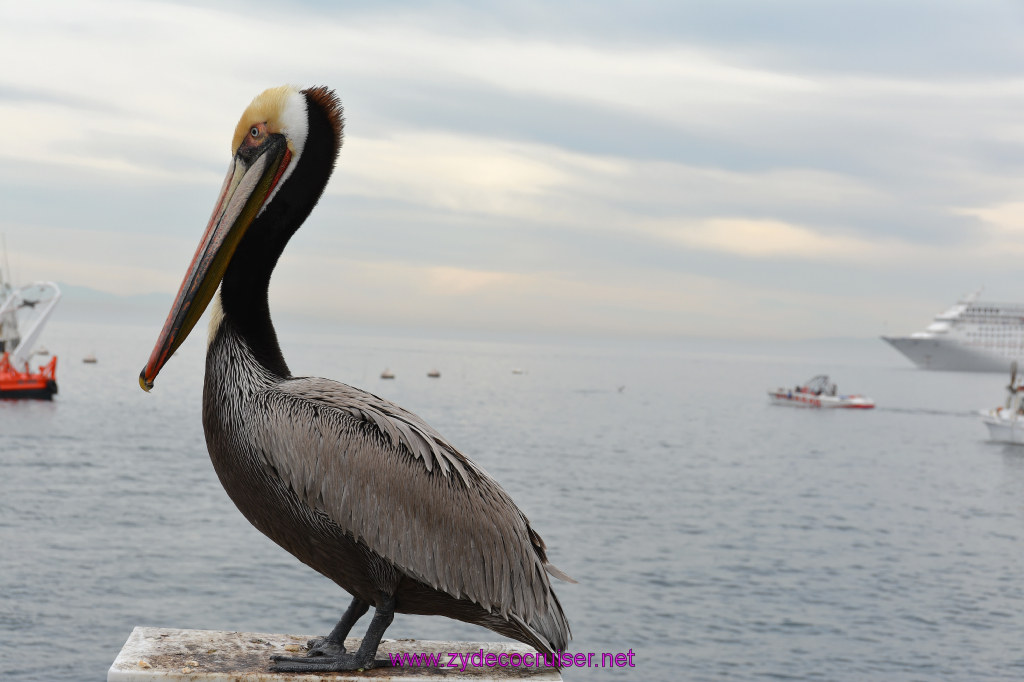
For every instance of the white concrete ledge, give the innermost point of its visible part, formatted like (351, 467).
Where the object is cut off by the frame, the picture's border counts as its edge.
(168, 654)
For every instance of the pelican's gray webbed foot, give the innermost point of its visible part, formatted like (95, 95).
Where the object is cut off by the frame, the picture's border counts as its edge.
(334, 643)
(327, 654)
(323, 646)
(325, 663)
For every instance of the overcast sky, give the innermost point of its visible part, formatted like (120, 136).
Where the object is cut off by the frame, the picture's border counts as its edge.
(725, 169)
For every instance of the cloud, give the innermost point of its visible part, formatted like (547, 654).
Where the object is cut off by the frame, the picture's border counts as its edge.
(514, 164)
(767, 239)
(446, 281)
(121, 263)
(1003, 229)
(449, 171)
(626, 302)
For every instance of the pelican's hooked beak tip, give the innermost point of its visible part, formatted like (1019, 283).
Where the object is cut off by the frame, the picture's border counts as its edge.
(146, 384)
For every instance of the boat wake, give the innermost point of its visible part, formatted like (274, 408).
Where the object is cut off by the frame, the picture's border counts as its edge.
(929, 412)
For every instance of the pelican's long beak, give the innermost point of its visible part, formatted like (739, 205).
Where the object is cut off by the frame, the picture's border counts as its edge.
(250, 181)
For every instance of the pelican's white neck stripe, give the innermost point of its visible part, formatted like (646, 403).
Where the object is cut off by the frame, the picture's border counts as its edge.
(216, 317)
(295, 127)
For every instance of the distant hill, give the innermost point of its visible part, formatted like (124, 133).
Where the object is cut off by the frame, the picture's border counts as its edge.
(85, 304)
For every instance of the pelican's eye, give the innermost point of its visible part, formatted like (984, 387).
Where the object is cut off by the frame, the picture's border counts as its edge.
(256, 137)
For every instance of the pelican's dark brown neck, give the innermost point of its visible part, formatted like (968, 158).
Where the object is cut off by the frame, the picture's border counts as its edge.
(246, 283)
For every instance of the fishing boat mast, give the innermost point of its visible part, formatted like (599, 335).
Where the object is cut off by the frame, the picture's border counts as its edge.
(10, 337)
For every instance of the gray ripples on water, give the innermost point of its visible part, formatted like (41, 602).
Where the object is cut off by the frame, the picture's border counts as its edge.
(716, 536)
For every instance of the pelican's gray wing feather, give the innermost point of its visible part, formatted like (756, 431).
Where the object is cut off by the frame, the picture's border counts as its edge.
(385, 476)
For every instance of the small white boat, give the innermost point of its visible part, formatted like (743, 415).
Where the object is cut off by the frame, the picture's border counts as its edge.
(387, 374)
(1004, 426)
(818, 392)
(1006, 423)
(434, 374)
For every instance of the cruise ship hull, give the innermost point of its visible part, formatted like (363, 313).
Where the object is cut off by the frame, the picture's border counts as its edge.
(948, 355)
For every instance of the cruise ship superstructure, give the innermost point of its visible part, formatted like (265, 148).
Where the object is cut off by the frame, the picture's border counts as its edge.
(972, 336)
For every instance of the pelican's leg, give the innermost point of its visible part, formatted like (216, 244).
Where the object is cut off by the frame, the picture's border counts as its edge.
(384, 613)
(334, 643)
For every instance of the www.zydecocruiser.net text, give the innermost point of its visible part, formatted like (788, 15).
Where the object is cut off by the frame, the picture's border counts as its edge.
(515, 659)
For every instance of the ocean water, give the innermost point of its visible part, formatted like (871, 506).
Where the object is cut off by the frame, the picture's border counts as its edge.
(714, 535)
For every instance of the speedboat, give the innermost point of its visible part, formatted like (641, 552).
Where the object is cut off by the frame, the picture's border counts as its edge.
(1006, 422)
(818, 391)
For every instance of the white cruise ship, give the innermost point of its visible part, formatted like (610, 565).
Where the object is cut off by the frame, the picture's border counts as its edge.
(972, 336)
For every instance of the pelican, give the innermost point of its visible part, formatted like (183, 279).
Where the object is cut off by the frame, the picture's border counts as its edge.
(356, 487)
